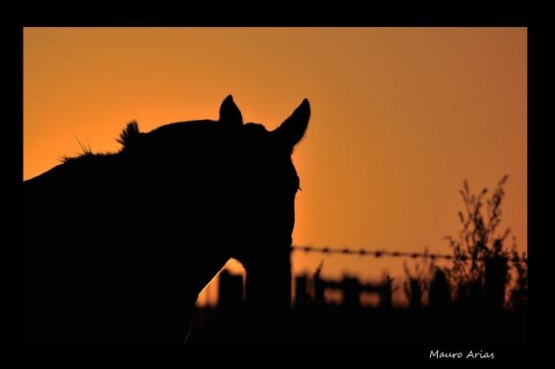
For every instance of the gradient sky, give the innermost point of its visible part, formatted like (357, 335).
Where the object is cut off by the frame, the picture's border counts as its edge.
(400, 117)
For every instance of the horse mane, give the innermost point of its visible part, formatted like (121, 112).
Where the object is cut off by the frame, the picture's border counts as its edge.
(129, 137)
(132, 140)
(130, 134)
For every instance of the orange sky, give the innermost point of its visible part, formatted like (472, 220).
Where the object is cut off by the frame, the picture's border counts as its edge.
(400, 116)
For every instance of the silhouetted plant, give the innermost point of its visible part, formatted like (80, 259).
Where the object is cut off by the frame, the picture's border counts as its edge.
(518, 295)
(480, 242)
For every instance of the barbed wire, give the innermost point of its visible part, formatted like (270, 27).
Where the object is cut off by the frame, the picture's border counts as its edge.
(380, 253)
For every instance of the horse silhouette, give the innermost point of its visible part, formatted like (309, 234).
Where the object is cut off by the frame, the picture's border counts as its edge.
(118, 246)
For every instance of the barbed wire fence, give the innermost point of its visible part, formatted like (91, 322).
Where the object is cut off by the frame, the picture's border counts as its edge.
(388, 253)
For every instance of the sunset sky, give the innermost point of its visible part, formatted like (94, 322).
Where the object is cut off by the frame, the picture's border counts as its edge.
(400, 117)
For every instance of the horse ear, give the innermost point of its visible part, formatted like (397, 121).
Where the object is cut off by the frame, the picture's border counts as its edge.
(230, 115)
(292, 130)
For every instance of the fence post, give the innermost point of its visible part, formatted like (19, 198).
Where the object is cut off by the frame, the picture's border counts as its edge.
(301, 290)
(386, 293)
(496, 277)
(230, 303)
(230, 291)
(439, 291)
(319, 289)
(414, 292)
(351, 292)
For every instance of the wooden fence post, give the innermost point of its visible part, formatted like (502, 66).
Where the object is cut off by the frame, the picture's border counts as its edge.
(496, 278)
